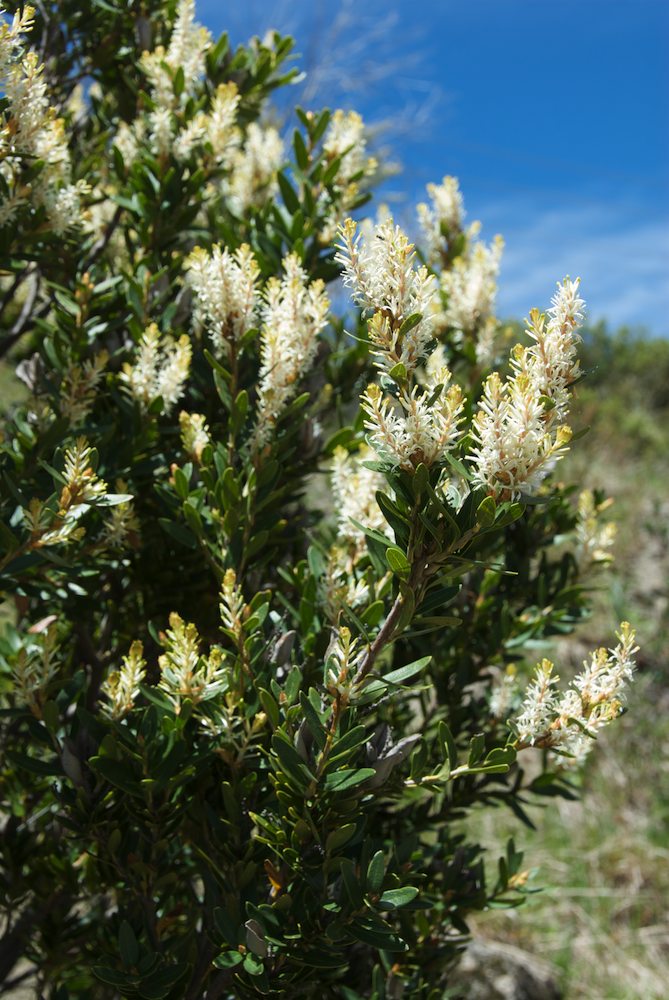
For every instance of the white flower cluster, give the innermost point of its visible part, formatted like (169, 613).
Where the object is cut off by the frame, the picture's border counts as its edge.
(418, 427)
(187, 48)
(568, 722)
(160, 369)
(184, 672)
(594, 539)
(441, 220)
(35, 665)
(217, 127)
(419, 423)
(194, 434)
(504, 692)
(469, 269)
(470, 287)
(518, 428)
(342, 660)
(251, 158)
(29, 131)
(77, 393)
(354, 488)
(382, 273)
(81, 489)
(294, 311)
(121, 523)
(164, 126)
(345, 139)
(232, 605)
(121, 687)
(253, 167)
(82, 486)
(226, 295)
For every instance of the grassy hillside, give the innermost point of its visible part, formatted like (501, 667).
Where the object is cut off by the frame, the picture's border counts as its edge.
(603, 916)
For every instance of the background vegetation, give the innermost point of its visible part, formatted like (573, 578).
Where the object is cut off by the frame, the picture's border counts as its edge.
(602, 914)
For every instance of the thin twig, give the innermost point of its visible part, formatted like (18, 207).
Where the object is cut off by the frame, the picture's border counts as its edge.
(387, 630)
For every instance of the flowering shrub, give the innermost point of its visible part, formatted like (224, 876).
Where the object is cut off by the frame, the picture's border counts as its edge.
(274, 577)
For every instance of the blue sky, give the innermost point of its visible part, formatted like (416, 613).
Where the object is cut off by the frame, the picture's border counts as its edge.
(554, 114)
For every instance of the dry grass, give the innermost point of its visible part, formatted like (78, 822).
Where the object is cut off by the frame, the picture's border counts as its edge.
(602, 917)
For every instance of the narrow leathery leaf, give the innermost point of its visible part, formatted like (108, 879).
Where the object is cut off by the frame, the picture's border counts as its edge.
(409, 323)
(485, 512)
(375, 873)
(338, 838)
(403, 674)
(269, 706)
(301, 155)
(228, 959)
(290, 761)
(346, 744)
(381, 937)
(398, 562)
(476, 747)
(392, 899)
(501, 755)
(315, 724)
(351, 883)
(445, 737)
(128, 945)
(347, 778)
(398, 372)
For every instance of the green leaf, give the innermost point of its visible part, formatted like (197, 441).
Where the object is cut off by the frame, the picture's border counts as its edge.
(405, 673)
(373, 614)
(178, 531)
(398, 562)
(392, 899)
(347, 778)
(501, 755)
(159, 984)
(270, 707)
(114, 978)
(410, 322)
(476, 748)
(228, 959)
(181, 484)
(398, 372)
(128, 945)
(117, 774)
(352, 886)
(337, 838)
(290, 761)
(485, 512)
(253, 965)
(301, 155)
(375, 873)
(381, 936)
(314, 722)
(349, 742)
(43, 768)
(447, 740)
(290, 198)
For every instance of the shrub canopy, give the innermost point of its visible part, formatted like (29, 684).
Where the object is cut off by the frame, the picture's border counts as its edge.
(272, 569)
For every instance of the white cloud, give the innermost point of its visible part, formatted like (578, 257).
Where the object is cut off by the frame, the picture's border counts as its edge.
(621, 256)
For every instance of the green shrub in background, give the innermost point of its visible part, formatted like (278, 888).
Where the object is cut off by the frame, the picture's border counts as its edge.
(271, 585)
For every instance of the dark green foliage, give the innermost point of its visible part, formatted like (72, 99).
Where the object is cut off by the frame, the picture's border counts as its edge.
(309, 842)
